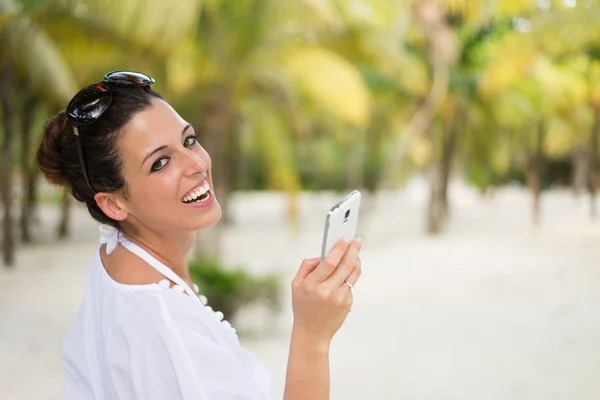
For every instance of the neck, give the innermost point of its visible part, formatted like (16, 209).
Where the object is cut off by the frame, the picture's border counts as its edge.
(170, 248)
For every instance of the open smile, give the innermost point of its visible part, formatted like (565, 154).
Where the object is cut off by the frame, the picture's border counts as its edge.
(200, 194)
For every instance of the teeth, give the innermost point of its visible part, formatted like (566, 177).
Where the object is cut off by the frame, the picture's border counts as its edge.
(198, 192)
(205, 199)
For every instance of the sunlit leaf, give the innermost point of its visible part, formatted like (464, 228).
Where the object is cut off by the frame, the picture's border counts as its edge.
(331, 81)
(501, 156)
(183, 68)
(513, 109)
(593, 77)
(558, 140)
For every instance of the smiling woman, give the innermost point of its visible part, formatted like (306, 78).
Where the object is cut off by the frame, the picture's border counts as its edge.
(143, 331)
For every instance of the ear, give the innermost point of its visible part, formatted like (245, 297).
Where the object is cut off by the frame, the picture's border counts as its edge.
(112, 205)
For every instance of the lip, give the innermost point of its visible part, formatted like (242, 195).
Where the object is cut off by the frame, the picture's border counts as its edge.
(207, 203)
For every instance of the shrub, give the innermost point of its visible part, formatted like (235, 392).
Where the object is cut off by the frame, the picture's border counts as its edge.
(228, 290)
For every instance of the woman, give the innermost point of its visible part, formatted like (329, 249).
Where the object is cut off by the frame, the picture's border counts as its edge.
(143, 331)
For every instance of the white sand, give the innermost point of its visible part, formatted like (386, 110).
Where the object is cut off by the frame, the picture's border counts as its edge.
(492, 310)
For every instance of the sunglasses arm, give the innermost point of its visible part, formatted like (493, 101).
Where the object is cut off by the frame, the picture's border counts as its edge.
(82, 159)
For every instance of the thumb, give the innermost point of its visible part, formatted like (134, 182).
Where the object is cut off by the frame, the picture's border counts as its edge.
(307, 266)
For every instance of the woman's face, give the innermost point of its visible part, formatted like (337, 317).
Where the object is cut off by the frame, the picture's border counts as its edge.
(168, 173)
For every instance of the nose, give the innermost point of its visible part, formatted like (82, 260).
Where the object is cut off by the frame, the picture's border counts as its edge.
(193, 163)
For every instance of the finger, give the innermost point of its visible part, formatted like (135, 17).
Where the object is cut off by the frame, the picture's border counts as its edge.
(345, 297)
(346, 265)
(308, 265)
(330, 262)
(355, 274)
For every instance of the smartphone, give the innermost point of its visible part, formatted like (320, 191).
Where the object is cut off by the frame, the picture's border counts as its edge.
(341, 221)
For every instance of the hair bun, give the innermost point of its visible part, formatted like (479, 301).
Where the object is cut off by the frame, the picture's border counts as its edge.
(49, 152)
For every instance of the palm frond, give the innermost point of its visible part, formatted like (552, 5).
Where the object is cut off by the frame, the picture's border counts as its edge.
(331, 82)
(275, 146)
(155, 23)
(36, 58)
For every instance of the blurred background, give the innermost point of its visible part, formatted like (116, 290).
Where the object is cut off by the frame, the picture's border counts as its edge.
(470, 126)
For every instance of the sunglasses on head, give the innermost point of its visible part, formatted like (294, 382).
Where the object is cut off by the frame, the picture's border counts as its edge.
(93, 100)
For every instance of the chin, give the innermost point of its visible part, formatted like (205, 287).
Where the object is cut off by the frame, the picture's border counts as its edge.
(209, 218)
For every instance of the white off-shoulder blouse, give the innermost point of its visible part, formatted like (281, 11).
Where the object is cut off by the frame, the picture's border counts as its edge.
(154, 342)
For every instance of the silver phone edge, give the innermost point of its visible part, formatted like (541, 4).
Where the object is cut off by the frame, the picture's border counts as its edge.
(327, 219)
(344, 199)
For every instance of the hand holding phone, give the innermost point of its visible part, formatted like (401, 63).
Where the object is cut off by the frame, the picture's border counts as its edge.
(322, 289)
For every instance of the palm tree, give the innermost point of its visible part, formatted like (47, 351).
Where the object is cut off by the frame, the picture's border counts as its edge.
(29, 60)
(530, 66)
(421, 57)
(459, 111)
(30, 105)
(593, 99)
(230, 67)
(249, 72)
(37, 46)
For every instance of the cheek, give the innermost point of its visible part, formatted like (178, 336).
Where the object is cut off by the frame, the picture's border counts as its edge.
(164, 186)
(155, 191)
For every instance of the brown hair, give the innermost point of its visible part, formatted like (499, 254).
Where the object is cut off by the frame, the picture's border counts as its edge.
(57, 154)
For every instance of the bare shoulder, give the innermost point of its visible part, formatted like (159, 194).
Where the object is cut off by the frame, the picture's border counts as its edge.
(127, 268)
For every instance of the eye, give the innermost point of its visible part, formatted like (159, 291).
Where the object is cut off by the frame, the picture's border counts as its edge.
(159, 164)
(190, 141)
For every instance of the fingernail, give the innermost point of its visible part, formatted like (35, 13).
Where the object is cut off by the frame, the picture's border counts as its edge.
(359, 240)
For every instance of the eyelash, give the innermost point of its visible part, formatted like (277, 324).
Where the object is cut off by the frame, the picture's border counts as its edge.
(156, 165)
(190, 137)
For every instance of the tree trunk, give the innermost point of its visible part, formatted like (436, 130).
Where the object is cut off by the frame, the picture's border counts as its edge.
(448, 151)
(29, 175)
(443, 51)
(533, 172)
(216, 133)
(435, 209)
(580, 167)
(435, 204)
(592, 171)
(32, 194)
(534, 183)
(438, 209)
(375, 147)
(64, 225)
(8, 242)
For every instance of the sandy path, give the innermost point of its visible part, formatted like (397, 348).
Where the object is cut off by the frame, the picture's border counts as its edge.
(492, 310)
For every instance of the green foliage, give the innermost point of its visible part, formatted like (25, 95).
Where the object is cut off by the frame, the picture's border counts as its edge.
(302, 75)
(26, 46)
(310, 85)
(228, 290)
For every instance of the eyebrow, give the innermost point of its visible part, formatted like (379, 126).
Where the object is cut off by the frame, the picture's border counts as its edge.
(161, 148)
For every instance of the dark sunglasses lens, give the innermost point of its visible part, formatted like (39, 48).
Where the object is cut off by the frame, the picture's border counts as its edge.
(128, 78)
(89, 103)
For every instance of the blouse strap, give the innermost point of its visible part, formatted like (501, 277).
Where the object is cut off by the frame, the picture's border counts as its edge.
(111, 237)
